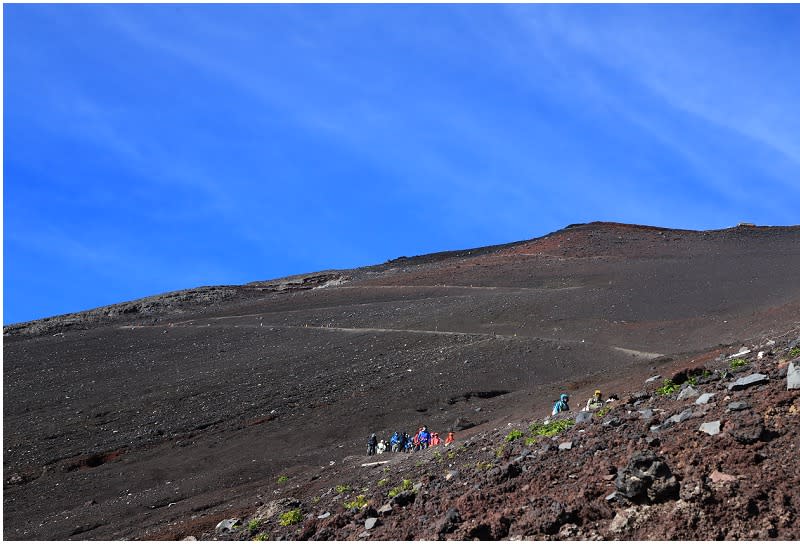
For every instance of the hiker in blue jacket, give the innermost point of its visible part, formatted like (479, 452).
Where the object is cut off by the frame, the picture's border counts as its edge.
(561, 405)
(424, 438)
(395, 441)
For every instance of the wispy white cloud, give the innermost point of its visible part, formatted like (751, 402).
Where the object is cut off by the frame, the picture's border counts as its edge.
(701, 62)
(690, 79)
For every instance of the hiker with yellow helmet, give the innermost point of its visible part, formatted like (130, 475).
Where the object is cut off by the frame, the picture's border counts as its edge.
(594, 403)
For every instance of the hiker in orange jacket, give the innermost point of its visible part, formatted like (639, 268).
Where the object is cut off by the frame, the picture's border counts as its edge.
(450, 439)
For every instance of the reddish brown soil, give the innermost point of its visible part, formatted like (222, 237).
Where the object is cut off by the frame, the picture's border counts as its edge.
(739, 484)
(157, 418)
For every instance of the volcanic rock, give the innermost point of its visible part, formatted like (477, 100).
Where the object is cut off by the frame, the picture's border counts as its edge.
(637, 397)
(386, 509)
(405, 498)
(647, 479)
(705, 398)
(748, 381)
(449, 521)
(717, 477)
(653, 441)
(711, 427)
(678, 418)
(688, 393)
(522, 455)
(747, 428)
(738, 405)
(793, 376)
(646, 413)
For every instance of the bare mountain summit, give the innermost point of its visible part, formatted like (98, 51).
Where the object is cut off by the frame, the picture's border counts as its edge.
(161, 417)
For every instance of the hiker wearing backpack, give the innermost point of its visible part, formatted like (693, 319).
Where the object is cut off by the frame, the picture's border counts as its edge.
(594, 403)
(395, 441)
(561, 405)
(372, 444)
(424, 437)
(451, 437)
(408, 444)
(415, 440)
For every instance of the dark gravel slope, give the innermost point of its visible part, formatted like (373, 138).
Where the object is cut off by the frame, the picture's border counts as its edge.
(185, 407)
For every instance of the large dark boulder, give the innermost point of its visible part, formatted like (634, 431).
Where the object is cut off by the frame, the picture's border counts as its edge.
(449, 521)
(747, 427)
(647, 479)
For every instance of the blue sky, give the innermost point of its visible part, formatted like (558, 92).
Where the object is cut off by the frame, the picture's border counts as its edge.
(150, 148)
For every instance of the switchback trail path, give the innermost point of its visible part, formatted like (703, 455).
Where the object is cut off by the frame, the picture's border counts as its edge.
(360, 330)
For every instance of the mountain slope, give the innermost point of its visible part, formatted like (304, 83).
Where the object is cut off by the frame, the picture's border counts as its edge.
(192, 403)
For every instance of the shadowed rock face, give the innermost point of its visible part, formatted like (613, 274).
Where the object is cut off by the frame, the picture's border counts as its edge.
(122, 420)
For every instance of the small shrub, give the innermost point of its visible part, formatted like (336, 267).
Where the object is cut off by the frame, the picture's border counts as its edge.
(359, 502)
(282, 479)
(383, 481)
(451, 454)
(692, 380)
(668, 388)
(552, 428)
(291, 517)
(737, 363)
(342, 488)
(531, 440)
(405, 486)
(603, 411)
(706, 373)
(253, 525)
(437, 456)
(261, 537)
(483, 465)
(513, 435)
(794, 352)
(501, 449)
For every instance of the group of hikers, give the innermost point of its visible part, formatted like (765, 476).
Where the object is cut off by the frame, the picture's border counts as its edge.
(405, 443)
(423, 438)
(594, 403)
